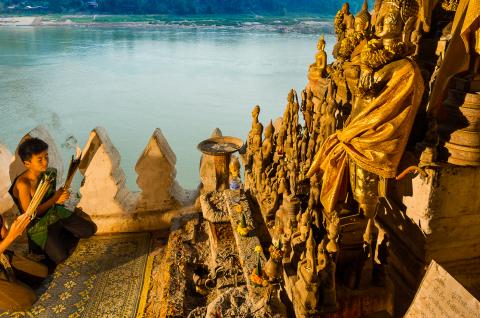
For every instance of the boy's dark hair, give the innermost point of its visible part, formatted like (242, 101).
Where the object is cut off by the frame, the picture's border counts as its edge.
(31, 147)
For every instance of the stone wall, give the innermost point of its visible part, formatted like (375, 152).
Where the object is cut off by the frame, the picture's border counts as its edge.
(436, 217)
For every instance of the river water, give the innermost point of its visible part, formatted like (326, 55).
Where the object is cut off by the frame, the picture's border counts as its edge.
(131, 81)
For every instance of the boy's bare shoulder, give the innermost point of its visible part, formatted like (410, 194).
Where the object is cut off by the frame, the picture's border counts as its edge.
(23, 183)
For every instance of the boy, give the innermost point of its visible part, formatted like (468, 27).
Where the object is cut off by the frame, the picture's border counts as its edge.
(55, 229)
(17, 271)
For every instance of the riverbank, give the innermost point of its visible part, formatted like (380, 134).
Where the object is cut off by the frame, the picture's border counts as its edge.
(300, 24)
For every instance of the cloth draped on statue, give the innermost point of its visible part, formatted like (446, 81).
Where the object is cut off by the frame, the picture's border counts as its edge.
(376, 138)
(458, 53)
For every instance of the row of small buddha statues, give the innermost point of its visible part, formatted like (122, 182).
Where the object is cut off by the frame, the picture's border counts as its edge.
(275, 166)
(277, 162)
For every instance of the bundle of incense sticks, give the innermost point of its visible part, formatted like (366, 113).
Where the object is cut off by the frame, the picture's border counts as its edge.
(74, 163)
(42, 189)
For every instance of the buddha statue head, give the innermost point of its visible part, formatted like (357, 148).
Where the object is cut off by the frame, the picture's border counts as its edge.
(255, 113)
(395, 19)
(363, 18)
(321, 43)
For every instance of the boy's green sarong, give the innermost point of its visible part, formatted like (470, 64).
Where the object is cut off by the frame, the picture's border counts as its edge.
(38, 233)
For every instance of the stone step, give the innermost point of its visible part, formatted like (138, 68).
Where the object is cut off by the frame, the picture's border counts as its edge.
(245, 244)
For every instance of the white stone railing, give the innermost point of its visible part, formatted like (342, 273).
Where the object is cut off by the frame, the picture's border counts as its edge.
(104, 195)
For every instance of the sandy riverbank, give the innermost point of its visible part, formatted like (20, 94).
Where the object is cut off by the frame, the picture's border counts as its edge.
(21, 21)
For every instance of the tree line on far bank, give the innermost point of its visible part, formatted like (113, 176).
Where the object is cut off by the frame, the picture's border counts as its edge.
(181, 7)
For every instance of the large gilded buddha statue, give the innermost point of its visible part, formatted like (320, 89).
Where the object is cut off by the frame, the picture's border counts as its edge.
(388, 91)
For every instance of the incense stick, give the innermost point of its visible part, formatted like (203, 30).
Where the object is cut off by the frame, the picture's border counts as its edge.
(38, 196)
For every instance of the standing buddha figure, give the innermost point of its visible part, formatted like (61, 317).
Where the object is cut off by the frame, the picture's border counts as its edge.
(267, 146)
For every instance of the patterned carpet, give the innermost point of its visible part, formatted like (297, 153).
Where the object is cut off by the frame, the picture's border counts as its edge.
(104, 278)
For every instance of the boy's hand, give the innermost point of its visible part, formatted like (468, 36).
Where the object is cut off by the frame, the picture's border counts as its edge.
(18, 226)
(62, 196)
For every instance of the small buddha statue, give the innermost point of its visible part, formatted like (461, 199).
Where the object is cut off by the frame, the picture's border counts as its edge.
(358, 37)
(304, 226)
(254, 154)
(317, 69)
(311, 147)
(328, 293)
(282, 182)
(292, 166)
(258, 169)
(329, 121)
(304, 146)
(267, 146)
(308, 284)
(322, 257)
(251, 135)
(333, 231)
(281, 139)
(315, 191)
(343, 23)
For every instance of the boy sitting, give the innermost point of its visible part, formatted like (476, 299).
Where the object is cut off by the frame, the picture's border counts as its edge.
(55, 229)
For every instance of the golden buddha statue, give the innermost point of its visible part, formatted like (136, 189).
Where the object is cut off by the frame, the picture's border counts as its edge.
(372, 142)
(317, 69)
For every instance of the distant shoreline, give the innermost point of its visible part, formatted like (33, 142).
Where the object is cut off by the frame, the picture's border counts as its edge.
(299, 24)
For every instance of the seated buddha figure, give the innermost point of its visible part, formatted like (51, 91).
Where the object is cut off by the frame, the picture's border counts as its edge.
(317, 69)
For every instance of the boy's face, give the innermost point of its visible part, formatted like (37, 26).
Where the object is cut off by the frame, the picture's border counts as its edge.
(38, 162)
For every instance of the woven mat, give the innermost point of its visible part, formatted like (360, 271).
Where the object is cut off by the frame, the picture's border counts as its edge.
(104, 278)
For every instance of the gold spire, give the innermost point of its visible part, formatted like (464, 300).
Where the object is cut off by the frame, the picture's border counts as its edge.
(364, 15)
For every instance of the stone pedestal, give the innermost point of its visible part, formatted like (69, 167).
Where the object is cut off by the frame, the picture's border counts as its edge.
(214, 172)
(214, 167)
